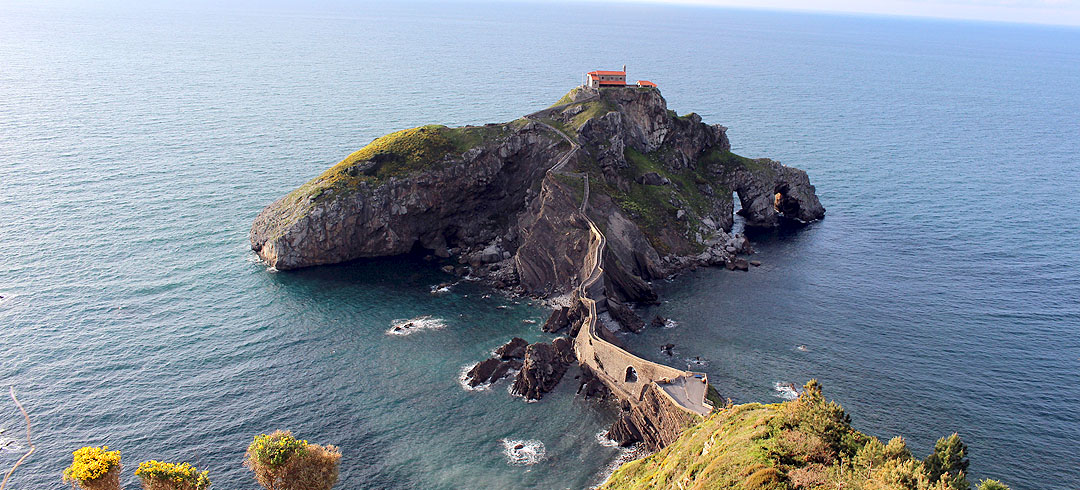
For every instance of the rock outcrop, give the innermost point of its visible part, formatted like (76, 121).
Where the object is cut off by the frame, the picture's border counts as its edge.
(655, 421)
(509, 357)
(481, 200)
(545, 365)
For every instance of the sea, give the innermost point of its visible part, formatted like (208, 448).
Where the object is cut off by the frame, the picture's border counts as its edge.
(138, 141)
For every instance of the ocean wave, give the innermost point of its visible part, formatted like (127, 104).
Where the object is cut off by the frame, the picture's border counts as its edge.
(9, 445)
(441, 288)
(603, 439)
(523, 452)
(626, 455)
(408, 327)
(463, 380)
(785, 390)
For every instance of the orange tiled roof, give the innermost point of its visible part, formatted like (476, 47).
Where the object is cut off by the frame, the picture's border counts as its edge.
(645, 83)
(602, 72)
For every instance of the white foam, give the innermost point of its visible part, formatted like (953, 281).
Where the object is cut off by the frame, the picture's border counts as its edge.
(786, 391)
(603, 439)
(669, 323)
(801, 348)
(696, 361)
(408, 327)
(440, 289)
(463, 380)
(9, 445)
(510, 390)
(523, 452)
(626, 455)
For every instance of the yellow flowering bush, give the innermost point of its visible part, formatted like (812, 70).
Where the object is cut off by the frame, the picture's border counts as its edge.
(158, 475)
(94, 468)
(283, 462)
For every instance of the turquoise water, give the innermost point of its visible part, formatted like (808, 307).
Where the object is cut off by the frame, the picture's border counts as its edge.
(137, 144)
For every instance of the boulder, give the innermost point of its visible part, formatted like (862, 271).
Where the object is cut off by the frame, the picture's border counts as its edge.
(625, 316)
(514, 349)
(545, 364)
(737, 264)
(652, 178)
(558, 320)
(491, 254)
(482, 371)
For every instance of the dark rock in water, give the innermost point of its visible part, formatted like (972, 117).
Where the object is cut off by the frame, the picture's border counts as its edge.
(737, 264)
(482, 371)
(514, 349)
(558, 320)
(755, 263)
(625, 316)
(658, 321)
(545, 364)
(667, 349)
(504, 369)
(519, 447)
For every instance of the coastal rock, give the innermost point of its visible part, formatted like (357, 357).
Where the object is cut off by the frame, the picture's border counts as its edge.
(590, 386)
(654, 421)
(514, 349)
(625, 316)
(544, 366)
(482, 371)
(737, 264)
(559, 319)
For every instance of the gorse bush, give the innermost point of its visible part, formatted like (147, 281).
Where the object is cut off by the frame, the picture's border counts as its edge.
(94, 468)
(157, 475)
(274, 450)
(283, 462)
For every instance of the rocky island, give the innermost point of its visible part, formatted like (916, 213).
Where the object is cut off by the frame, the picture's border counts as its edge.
(587, 200)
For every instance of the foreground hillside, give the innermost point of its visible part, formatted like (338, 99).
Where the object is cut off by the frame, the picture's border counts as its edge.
(807, 443)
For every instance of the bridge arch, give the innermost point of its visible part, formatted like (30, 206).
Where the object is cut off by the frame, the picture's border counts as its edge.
(631, 374)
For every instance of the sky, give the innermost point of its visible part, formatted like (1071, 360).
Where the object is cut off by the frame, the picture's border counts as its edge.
(1063, 12)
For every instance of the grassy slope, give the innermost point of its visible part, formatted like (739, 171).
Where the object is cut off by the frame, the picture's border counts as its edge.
(396, 154)
(807, 443)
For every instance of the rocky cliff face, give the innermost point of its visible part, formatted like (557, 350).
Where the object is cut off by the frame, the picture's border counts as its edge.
(482, 199)
(656, 422)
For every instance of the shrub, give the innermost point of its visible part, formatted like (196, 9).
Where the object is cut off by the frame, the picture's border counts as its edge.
(157, 475)
(94, 468)
(283, 462)
(992, 485)
(767, 478)
(948, 463)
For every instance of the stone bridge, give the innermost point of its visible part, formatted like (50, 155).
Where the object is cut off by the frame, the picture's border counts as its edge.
(627, 375)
